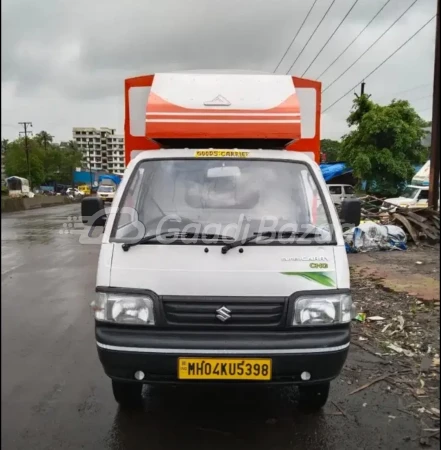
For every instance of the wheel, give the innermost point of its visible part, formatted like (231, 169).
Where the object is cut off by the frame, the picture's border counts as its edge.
(313, 397)
(128, 395)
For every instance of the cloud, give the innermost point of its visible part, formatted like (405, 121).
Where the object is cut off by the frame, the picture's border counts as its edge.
(63, 62)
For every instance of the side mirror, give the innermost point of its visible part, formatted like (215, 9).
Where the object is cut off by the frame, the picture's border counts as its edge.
(93, 212)
(350, 212)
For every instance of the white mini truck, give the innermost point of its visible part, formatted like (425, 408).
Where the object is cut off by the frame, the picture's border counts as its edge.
(221, 265)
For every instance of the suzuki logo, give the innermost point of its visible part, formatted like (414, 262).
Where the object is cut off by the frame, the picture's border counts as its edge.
(223, 314)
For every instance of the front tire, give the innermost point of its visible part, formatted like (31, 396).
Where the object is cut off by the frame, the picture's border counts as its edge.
(314, 396)
(127, 395)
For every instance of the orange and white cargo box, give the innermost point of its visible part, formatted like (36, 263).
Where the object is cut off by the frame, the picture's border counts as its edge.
(188, 110)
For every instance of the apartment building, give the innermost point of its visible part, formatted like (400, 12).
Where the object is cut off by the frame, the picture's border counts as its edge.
(102, 146)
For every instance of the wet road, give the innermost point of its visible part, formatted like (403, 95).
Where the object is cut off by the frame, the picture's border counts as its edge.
(55, 395)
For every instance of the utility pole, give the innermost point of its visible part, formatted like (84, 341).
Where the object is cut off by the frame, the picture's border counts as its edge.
(25, 133)
(435, 146)
(90, 165)
(363, 84)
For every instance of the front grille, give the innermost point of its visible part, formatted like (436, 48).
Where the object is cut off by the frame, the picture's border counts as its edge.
(237, 313)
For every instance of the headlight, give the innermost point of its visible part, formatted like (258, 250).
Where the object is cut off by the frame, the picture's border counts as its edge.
(122, 308)
(323, 309)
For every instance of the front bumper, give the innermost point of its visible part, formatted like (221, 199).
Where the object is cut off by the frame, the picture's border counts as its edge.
(123, 351)
(106, 198)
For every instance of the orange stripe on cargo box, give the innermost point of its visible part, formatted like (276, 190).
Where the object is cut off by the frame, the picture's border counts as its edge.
(229, 130)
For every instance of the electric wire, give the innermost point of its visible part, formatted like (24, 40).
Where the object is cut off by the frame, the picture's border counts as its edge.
(310, 37)
(376, 40)
(381, 64)
(330, 37)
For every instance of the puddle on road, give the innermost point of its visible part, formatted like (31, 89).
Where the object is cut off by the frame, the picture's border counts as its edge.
(222, 418)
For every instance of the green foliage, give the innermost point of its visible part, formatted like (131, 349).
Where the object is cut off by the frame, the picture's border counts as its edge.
(331, 149)
(16, 162)
(48, 161)
(361, 106)
(44, 139)
(385, 144)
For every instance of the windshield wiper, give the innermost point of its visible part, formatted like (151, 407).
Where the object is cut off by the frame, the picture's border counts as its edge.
(268, 234)
(210, 236)
(186, 235)
(145, 239)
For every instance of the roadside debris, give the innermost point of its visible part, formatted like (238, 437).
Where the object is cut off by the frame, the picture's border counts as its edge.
(370, 236)
(341, 410)
(360, 317)
(375, 318)
(376, 380)
(421, 224)
(403, 332)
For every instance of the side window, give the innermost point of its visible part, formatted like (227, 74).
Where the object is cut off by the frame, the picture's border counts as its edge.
(131, 200)
(424, 195)
(335, 190)
(349, 190)
(316, 208)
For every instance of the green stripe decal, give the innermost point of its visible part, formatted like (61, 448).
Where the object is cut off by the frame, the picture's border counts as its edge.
(319, 277)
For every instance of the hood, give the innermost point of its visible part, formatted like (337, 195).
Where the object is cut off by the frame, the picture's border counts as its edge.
(260, 270)
(400, 201)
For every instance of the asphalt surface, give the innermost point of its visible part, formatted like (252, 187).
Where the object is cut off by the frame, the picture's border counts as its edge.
(56, 396)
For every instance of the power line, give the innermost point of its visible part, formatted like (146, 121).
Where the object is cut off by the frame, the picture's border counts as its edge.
(353, 41)
(364, 53)
(420, 98)
(295, 37)
(425, 109)
(412, 99)
(405, 91)
(413, 89)
(310, 37)
(330, 37)
(381, 64)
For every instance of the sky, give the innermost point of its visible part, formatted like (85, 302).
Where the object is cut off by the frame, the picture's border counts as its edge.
(64, 62)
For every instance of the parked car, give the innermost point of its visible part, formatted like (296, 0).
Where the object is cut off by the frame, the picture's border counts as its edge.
(412, 197)
(84, 189)
(340, 192)
(74, 192)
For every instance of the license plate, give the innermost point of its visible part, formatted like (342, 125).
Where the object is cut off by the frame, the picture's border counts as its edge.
(224, 369)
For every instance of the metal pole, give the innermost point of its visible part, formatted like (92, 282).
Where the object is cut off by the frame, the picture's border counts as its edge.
(435, 150)
(25, 132)
(90, 166)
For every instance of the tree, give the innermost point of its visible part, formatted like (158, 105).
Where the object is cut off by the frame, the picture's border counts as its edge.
(5, 144)
(50, 164)
(72, 159)
(15, 161)
(331, 149)
(385, 145)
(361, 106)
(44, 139)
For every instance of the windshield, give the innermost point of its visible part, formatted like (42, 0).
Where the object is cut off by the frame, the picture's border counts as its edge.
(409, 192)
(219, 197)
(105, 189)
(16, 183)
